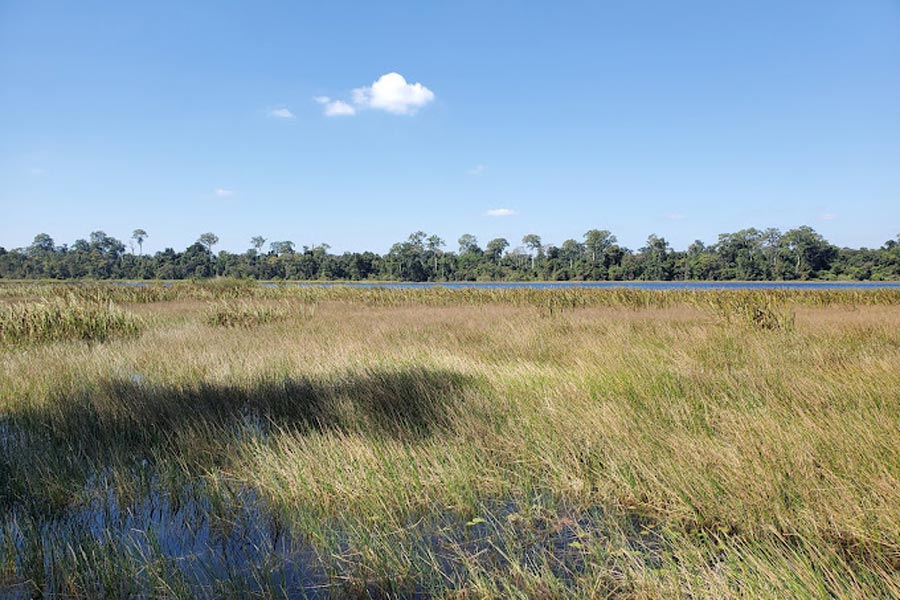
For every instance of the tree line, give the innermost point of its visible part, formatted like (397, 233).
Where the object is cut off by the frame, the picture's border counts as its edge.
(749, 255)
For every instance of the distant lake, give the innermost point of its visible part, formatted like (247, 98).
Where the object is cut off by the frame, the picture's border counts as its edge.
(641, 285)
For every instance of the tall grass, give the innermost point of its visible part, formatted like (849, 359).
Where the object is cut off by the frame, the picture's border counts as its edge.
(68, 318)
(612, 443)
(763, 311)
(550, 300)
(246, 314)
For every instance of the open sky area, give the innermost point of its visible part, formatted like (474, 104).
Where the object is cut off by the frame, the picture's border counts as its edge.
(356, 123)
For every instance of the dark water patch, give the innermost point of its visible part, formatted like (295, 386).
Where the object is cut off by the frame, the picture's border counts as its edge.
(203, 542)
(561, 540)
(65, 531)
(193, 542)
(505, 541)
(89, 510)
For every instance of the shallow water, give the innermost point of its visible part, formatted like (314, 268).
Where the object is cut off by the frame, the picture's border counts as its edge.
(208, 550)
(235, 547)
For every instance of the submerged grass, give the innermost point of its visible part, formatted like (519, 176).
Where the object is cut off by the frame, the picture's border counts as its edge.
(472, 443)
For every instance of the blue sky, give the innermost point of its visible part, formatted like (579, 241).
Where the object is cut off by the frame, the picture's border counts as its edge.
(684, 119)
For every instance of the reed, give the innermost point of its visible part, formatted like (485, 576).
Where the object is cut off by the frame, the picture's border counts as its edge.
(549, 300)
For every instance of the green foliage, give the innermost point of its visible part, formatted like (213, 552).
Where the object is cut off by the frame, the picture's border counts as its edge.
(746, 255)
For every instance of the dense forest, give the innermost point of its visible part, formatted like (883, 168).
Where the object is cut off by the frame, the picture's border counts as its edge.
(749, 254)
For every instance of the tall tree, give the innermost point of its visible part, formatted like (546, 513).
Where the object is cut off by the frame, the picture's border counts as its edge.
(742, 254)
(597, 241)
(571, 251)
(257, 241)
(494, 249)
(139, 235)
(417, 239)
(106, 244)
(468, 244)
(811, 251)
(771, 241)
(280, 248)
(657, 265)
(434, 244)
(42, 244)
(532, 241)
(209, 240)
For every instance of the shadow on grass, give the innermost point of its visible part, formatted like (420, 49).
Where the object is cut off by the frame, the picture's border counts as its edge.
(114, 422)
(401, 403)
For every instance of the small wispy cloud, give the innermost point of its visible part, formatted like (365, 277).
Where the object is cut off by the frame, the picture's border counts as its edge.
(335, 108)
(501, 212)
(37, 171)
(281, 113)
(828, 216)
(675, 217)
(477, 170)
(223, 193)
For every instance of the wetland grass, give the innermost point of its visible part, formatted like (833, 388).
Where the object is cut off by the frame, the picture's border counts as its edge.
(65, 318)
(247, 314)
(465, 444)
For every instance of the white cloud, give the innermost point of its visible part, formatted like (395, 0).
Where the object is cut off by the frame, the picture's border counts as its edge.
(335, 108)
(338, 108)
(281, 113)
(37, 171)
(223, 193)
(827, 217)
(675, 217)
(393, 94)
(500, 212)
(477, 170)
(390, 93)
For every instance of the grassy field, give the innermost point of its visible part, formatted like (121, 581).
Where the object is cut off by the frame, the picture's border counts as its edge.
(229, 440)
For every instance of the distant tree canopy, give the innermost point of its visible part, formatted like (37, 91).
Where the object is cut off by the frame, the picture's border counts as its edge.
(748, 254)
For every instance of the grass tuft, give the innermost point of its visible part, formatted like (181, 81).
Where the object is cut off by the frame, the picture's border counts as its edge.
(69, 318)
(247, 314)
(757, 311)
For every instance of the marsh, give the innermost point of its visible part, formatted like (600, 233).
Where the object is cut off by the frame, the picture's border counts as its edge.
(235, 440)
